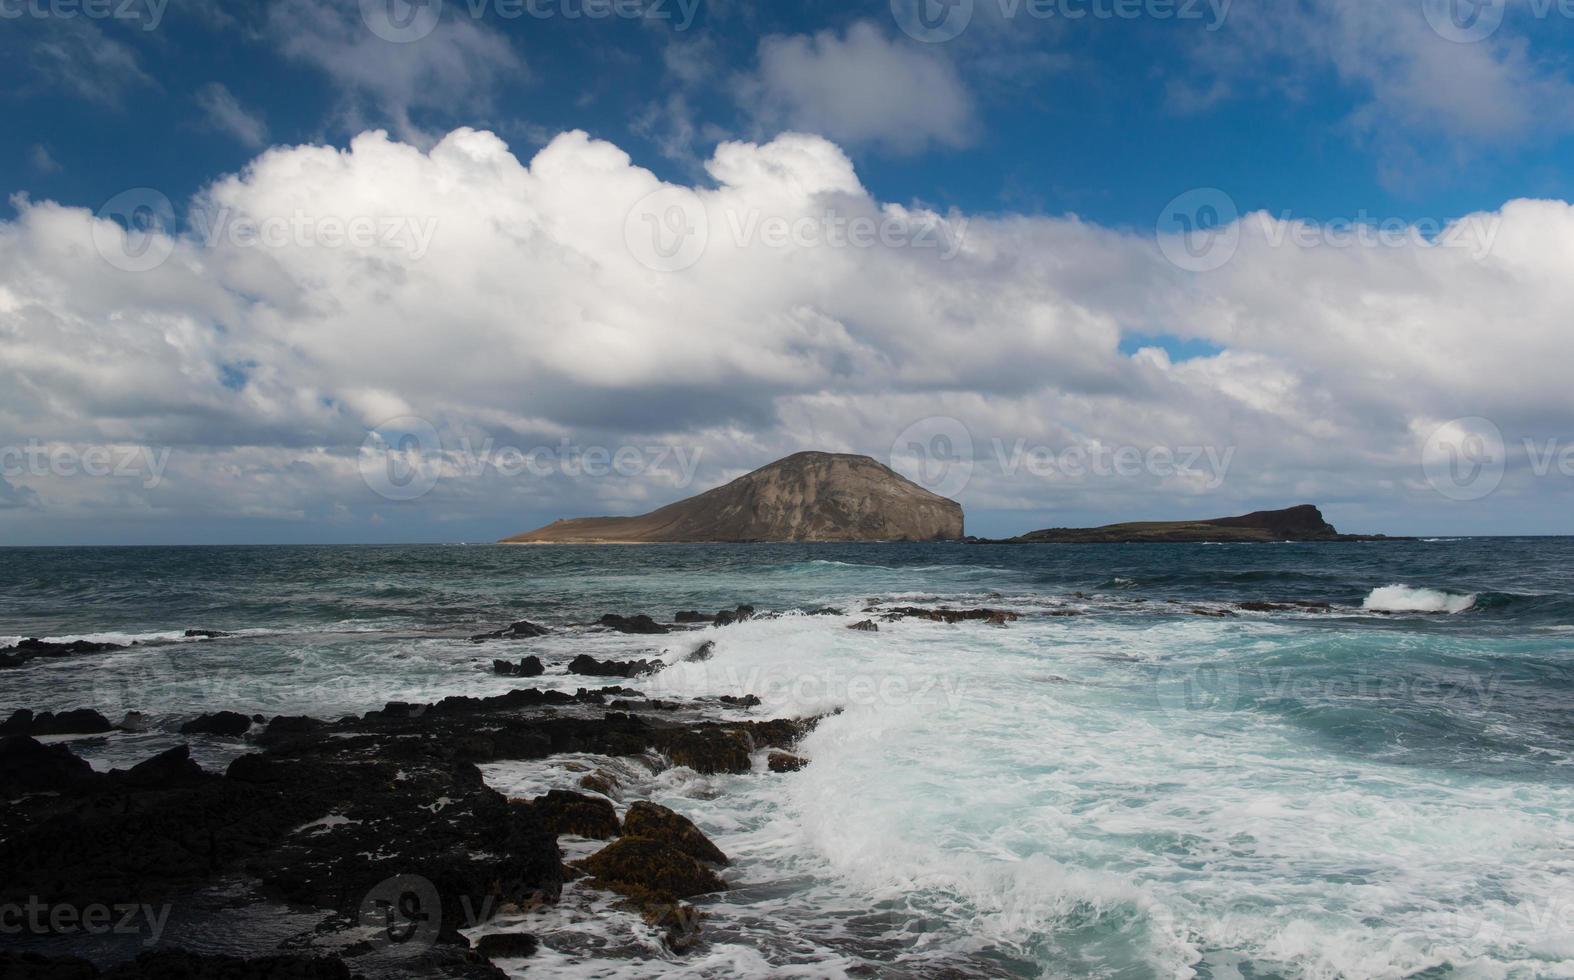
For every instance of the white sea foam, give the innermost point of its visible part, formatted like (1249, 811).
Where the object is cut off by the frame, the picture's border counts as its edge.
(1098, 826)
(1405, 598)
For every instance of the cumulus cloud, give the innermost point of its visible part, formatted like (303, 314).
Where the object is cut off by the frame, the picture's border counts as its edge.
(225, 113)
(574, 299)
(861, 87)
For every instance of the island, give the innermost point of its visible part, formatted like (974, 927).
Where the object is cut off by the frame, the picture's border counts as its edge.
(808, 496)
(1302, 523)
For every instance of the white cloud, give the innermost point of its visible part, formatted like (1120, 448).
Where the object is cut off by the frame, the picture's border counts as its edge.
(864, 87)
(225, 113)
(264, 355)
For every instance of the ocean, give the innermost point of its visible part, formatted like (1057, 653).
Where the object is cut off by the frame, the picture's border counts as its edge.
(1368, 771)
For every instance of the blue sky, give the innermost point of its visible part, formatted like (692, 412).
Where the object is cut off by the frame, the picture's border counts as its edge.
(1052, 135)
(1066, 117)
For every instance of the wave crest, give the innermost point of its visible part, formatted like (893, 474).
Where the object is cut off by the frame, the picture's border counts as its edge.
(1405, 598)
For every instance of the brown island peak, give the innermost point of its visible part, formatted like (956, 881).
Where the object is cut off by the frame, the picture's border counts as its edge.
(808, 496)
(1301, 523)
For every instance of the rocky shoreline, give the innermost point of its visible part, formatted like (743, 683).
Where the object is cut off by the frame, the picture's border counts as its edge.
(379, 833)
(381, 825)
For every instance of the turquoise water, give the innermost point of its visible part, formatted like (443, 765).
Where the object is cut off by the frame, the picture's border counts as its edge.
(1384, 787)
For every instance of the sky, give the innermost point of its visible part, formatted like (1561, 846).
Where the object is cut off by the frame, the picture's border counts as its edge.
(446, 270)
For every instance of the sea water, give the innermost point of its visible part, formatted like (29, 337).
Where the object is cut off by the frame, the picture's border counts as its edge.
(1135, 778)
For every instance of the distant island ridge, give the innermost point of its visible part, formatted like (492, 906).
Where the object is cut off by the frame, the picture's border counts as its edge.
(819, 496)
(809, 496)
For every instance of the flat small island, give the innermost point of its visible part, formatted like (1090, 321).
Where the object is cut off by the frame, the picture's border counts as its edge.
(1302, 523)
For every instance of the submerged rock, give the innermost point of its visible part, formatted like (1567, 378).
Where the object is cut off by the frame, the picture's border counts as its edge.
(530, 666)
(231, 723)
(206, 634)
(784, 762)
(30, 649)
(647, 869)
(729, 616)
(641, 624)
(81, 721)
(867, 626)
(507, 945)
(645, 819)
(702, 652)
(996, 617)
(591, 667)
(710, 750)
(566, 812)
(522, 630)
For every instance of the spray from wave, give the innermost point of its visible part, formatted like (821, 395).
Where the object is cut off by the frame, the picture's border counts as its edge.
(1405, 598)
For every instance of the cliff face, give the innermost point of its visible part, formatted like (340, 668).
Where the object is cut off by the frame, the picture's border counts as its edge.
(805, 497)
(1303, 523)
